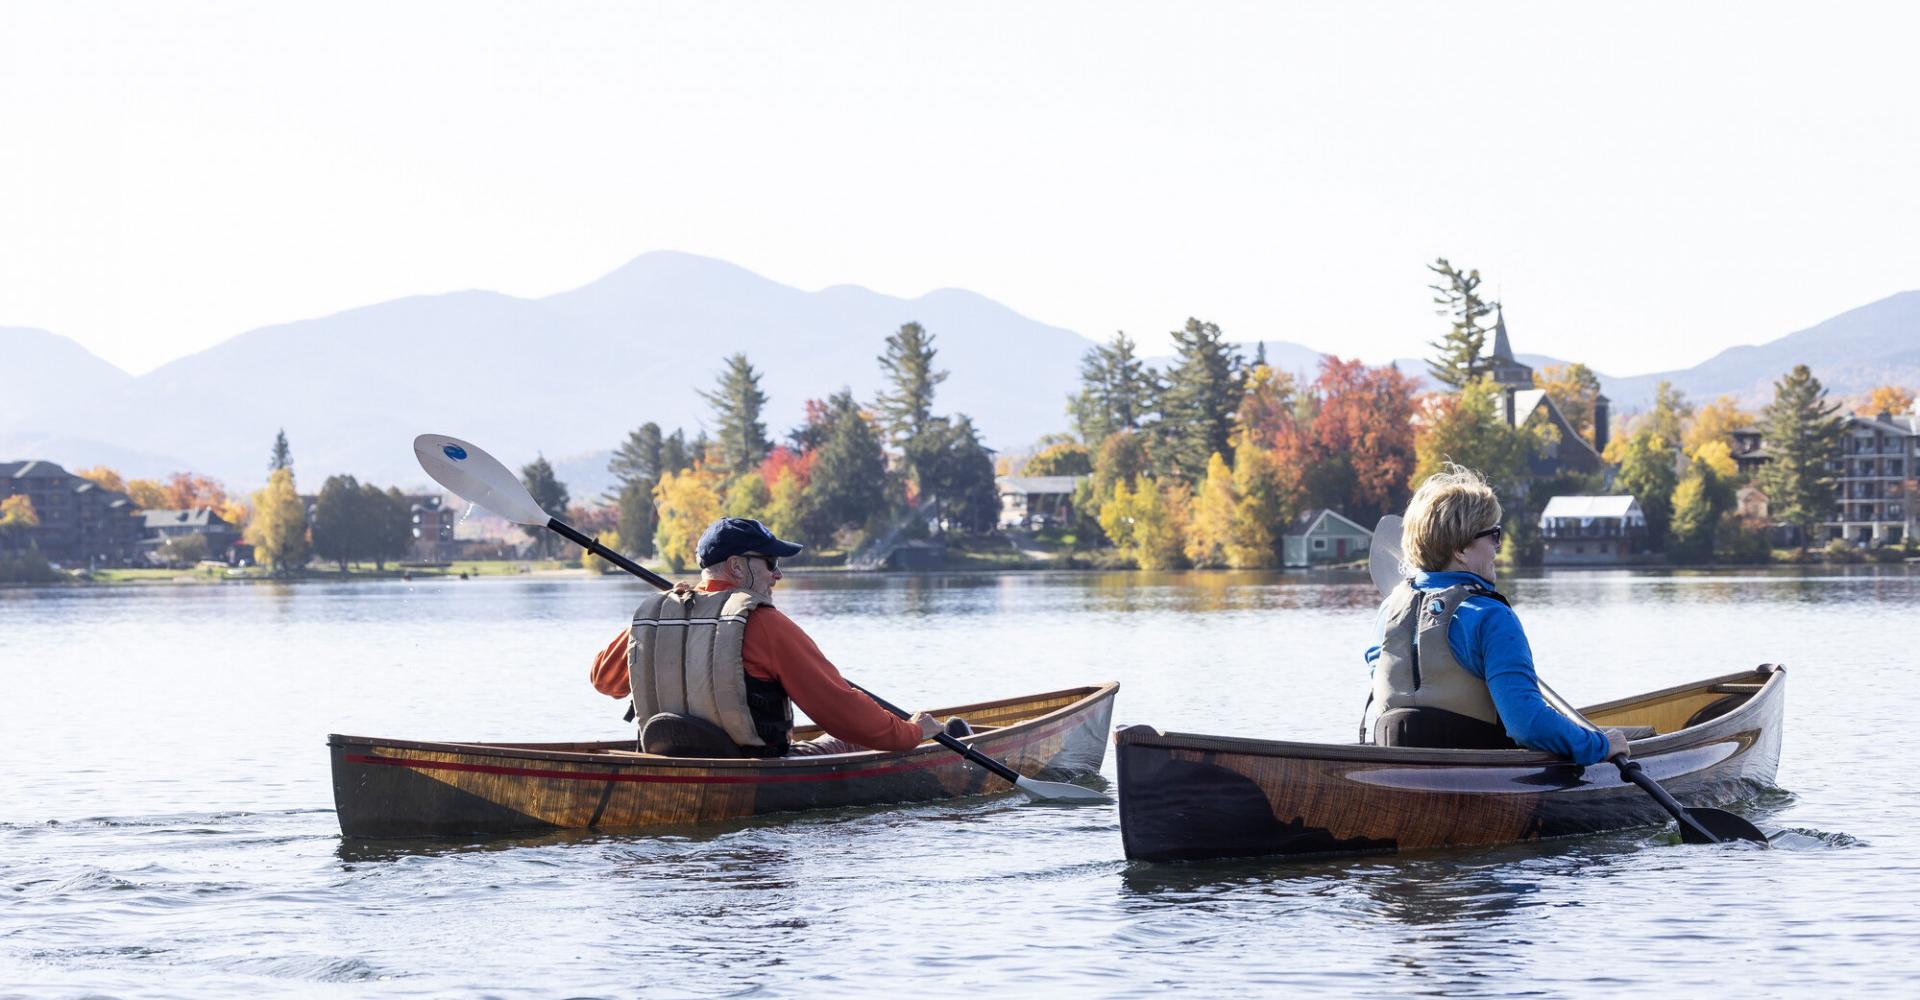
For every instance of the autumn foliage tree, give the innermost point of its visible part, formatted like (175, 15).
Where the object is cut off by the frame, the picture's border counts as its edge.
(687, 502)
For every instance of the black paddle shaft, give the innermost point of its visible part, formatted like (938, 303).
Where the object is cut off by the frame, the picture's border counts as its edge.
(1690, 828)
(571, 534)
(946, 739)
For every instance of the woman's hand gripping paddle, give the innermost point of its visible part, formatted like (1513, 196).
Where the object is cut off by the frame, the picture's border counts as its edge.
(477, 477)
(1697, 826)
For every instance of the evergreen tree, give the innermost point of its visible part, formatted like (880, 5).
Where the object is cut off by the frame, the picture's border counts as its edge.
(550, 493)
(1197, 407)
(1462, 352)
(282, 457)
(848, 484)
(394, 540)
(958, 470)
(638, 457)
(1802, 434)
(1116, 391)
(907, 406)
(673, 453)
(339, 521)
(737, 402)
(638, 517)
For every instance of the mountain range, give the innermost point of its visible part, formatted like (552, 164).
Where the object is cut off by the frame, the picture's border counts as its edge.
(569, 374)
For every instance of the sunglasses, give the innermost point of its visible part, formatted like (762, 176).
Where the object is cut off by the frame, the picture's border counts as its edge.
(1493, 532)
(773, 562)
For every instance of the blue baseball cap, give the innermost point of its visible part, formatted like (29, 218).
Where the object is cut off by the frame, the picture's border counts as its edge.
(739, 536)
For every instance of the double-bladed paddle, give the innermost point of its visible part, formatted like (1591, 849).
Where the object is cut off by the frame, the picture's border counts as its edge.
(479, 478)
(1697, 826)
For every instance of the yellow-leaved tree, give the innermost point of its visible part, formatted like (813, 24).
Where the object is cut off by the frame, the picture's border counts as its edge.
(1267, 498)
(1715, 422)
(146, 494)
(278, 528)
(1160, 519)
(103, 477)
(1211, 531)
(1887, 399)
(17, 512)
(785, 505)
(1117, 515)
(688, 501)
(748, 496)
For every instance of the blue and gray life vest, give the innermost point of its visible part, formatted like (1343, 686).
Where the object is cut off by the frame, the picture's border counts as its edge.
(1416, 667)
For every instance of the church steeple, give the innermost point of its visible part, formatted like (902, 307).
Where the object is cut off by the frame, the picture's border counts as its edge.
(1502, 351)
(1507, 372)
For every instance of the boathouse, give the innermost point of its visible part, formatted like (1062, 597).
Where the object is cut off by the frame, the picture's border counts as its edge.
(1592, 531)
(1322, 536)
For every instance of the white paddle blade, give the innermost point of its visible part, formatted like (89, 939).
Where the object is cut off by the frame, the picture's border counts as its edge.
(1383, 556)
(477, 477)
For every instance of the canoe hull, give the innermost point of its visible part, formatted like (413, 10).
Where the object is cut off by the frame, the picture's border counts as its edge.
(400, 788)
(1187, 797)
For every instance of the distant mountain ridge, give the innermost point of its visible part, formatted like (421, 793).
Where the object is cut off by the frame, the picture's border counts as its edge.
(569, 374)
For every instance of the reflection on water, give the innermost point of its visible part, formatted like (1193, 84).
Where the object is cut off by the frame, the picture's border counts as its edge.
(165, 812)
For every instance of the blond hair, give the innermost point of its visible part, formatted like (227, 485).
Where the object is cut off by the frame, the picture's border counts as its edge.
(1446, 512)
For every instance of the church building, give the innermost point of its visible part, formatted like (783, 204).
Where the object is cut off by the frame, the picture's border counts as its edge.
(1523, 404)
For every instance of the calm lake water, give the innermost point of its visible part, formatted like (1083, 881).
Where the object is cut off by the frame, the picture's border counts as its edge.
(166, 823)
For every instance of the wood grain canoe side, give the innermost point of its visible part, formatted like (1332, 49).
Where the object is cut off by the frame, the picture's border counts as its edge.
(1190, 797)
(398, 788)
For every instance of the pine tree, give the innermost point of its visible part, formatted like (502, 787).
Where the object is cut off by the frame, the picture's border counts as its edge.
(1462, 352)
(849, 480)
(673, 453)
(1116, 391)
(907, 367)
(638, 517)
(282, 455)
(339, 521)
(1201, 397)
(549, 492)
(1802, 435)
(737, 402)
(638, 457)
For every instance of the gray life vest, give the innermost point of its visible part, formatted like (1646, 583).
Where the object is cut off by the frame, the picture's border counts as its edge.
(1416, 667)
(683, 657)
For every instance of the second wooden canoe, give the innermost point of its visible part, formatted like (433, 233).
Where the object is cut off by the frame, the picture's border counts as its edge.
(1185, 796)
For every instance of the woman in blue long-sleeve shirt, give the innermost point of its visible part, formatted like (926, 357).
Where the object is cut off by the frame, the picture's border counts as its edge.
(1452, 667)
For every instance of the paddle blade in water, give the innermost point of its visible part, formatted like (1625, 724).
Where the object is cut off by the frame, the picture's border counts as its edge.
(477, 477)
(1721, 824)
(1060, 792)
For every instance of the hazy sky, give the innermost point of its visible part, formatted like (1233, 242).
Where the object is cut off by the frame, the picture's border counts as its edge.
(1644, 184)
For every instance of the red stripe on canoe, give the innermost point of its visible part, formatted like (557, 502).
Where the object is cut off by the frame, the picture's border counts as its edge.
(933, 760)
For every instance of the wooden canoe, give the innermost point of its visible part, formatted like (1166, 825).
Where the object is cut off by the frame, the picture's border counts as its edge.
(1191, 797)
(408, 788)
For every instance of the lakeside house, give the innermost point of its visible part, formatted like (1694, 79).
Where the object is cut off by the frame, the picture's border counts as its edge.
(1321, 536)
(163, 526)
(1592, 531)
(1035, 502)
(80, 522)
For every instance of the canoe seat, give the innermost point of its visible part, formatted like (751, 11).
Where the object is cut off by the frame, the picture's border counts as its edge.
(670, 735)
(1637, 732)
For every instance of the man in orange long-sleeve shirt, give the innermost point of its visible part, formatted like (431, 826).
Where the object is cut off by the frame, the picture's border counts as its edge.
(682, 647)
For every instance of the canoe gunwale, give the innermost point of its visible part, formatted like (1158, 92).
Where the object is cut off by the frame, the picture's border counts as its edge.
(1735, 720)
(1083, 699)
